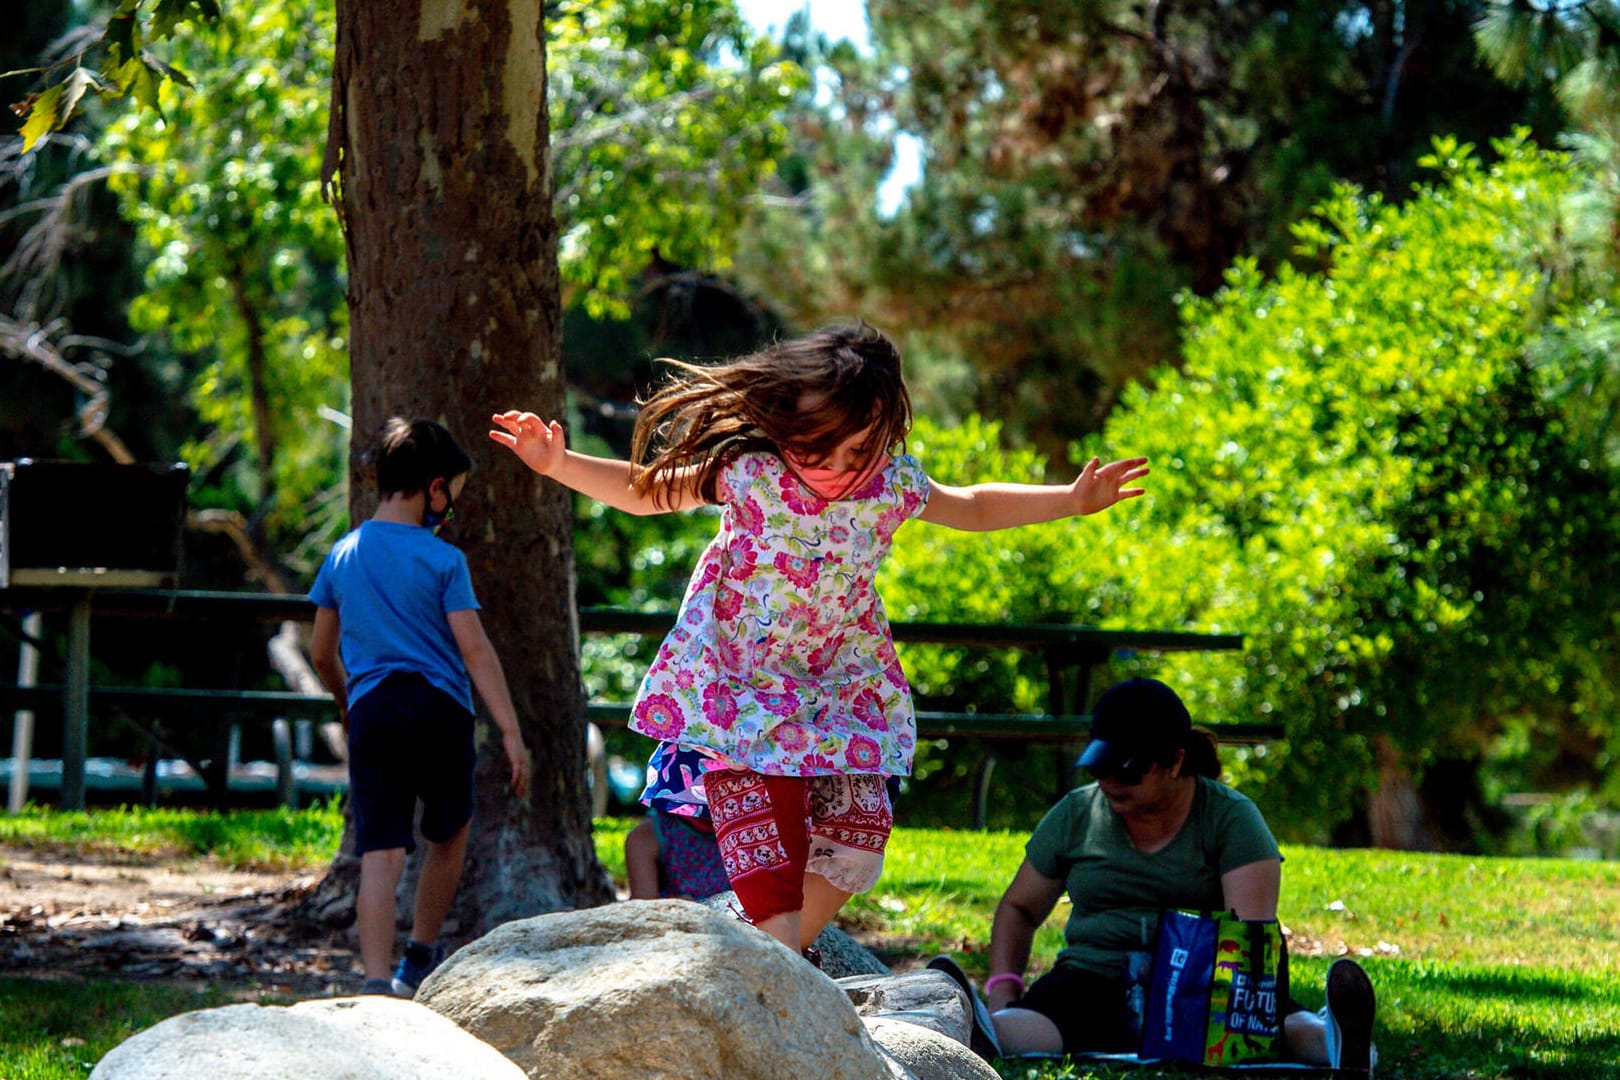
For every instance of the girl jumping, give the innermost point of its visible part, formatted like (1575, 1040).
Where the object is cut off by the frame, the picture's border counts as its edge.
(778, 698)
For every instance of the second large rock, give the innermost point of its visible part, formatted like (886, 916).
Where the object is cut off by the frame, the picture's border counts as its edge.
(652, 989)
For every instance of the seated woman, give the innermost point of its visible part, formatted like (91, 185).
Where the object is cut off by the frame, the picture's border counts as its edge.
(1156, 830)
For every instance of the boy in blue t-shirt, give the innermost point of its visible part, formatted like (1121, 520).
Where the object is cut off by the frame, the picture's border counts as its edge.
(397, 640)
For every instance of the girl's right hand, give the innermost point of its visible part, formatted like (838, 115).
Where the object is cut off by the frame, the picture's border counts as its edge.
(538, 444)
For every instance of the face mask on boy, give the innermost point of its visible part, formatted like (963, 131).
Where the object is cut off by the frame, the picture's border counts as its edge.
(437, 521)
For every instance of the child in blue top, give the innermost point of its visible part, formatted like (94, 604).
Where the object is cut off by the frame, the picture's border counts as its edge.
(398, 641)
(780, 678)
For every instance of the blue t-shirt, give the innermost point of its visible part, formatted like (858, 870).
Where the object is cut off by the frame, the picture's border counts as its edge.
(392, 586)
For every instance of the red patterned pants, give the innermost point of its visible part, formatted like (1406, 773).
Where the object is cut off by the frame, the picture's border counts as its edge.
(772, 830)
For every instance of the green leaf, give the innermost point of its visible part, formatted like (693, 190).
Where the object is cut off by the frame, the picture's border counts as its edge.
(168, 70)
(123, 40)
(169, 14)
(141, 81)
(43, 117)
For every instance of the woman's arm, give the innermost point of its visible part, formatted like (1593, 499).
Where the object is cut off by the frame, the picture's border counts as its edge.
(983, 507)
(1251, 891)
(541, 446)
(1023, 908)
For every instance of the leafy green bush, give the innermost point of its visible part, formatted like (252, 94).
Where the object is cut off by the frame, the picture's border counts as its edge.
(1370, 473)
(1376, 485)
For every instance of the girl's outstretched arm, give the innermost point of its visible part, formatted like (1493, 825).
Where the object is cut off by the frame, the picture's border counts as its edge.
(982, 507)
(540, 445)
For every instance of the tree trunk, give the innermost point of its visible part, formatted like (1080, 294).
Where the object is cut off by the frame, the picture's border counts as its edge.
(442, 177)
(1395, 817)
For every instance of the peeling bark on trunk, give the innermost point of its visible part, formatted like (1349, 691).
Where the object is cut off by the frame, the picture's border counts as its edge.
(442, 171)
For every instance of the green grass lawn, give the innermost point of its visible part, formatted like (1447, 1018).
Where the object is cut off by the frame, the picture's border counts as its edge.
(1485, 967)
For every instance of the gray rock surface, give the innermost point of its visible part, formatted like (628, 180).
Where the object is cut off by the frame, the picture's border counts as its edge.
(653, 989)
(927, 998)
(925, 1053)
(362, 1038)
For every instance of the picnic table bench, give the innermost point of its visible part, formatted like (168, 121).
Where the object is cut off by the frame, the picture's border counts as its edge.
(1072, 654)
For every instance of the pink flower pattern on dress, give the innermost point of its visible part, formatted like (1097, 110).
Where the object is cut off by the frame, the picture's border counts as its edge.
(798, 497)
(727, 603)
(802, 572)
(659, 716)
(823, 655)
(741, 556)
(748, 519)
(782, 662)
(719, 706)
(868, 709)
(862, 754)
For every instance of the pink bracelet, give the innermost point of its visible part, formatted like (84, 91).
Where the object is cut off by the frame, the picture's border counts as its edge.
(1006, 976)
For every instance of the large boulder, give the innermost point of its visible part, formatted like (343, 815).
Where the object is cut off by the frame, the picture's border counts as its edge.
(655, 989)
(365, 1038)
(926, 997)
(926, 1053)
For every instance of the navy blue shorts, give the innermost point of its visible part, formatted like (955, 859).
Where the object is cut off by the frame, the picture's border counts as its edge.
(1088, 1009)
(408, 740)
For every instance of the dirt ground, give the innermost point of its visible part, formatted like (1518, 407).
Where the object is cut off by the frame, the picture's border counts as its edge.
(82, 915)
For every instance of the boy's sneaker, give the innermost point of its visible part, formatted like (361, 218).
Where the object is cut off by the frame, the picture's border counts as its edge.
(1351, 1006)
(417, 964)
(382, 987)
(981, 1028)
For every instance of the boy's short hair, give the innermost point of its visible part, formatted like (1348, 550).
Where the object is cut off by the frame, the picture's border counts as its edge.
(409, 454)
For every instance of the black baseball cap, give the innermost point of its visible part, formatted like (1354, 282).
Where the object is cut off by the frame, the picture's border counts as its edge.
(1136, 723)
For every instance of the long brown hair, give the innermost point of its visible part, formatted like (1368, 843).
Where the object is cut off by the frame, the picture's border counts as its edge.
(802, 396)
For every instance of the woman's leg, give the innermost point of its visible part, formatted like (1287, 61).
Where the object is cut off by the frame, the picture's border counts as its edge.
(1024, 1031)
(1066, 1010)
(1305, 1038)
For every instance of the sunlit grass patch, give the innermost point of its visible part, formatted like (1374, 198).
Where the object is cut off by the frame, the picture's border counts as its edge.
(1485, 968)
(277, 839)
(53, 1029)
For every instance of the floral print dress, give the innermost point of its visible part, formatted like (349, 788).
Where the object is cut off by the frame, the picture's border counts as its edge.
(781, 661)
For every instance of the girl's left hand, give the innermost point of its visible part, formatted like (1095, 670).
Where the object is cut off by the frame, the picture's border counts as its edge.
(1100, 486)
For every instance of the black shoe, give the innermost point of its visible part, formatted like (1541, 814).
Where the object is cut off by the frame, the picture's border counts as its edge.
(982, 1030)
(1351, 1007)
(813, 954)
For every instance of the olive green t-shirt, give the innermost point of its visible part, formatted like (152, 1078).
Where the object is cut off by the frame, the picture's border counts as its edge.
(1118, 891)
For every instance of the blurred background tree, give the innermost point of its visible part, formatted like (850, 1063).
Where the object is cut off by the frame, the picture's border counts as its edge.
(244, 282)
(1082, 162)
(1383, 430)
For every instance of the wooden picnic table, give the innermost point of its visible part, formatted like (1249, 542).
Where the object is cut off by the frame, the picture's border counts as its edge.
(1072, 655)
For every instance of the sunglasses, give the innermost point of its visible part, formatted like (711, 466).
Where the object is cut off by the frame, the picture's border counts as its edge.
(1128, 772)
